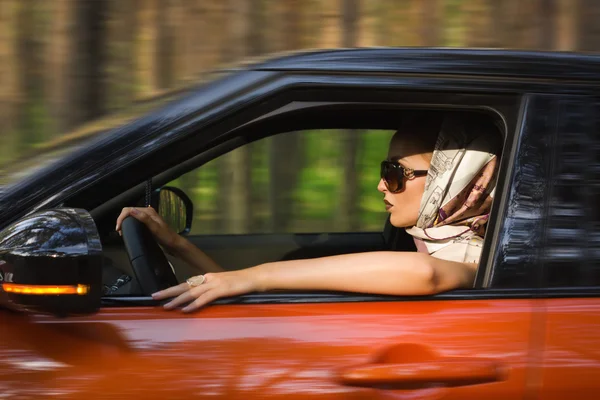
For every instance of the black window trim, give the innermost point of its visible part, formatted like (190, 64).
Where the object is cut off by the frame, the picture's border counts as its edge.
(500, 205)
(333, 297)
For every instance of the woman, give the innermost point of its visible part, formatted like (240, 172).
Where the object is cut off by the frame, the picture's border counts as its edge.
(438, 186)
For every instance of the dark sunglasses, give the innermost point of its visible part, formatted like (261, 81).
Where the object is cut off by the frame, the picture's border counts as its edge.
(394, 174)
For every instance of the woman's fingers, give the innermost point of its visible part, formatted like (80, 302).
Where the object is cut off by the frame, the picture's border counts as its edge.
(171, 292)
(139, 213)
(216, 285)
(202, 300)
(187, 296)
(150, 218)
(124, 214)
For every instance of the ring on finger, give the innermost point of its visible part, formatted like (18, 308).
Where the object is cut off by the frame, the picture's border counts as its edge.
(196, 280)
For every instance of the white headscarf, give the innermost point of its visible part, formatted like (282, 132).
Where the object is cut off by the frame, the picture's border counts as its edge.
(459, 191)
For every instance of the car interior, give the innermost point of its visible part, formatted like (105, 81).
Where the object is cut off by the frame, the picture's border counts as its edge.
(245, 250)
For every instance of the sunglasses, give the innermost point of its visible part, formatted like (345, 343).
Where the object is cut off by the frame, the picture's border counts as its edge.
(394, 174)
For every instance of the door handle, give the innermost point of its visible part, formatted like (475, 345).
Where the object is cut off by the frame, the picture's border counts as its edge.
(445, 372)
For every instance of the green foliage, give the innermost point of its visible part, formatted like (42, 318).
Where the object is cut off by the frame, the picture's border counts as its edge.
(316, 196)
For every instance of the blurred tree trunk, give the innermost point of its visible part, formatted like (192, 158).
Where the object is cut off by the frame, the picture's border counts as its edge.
(285, 150)
(547, 39)
(146, 44)
(235, 170)
(120, 71)
(10, 94)
(30, 81)
(60, 56)
(501, 29)
(256, 41)
(331, 11)
(478, 23)
(524, 24)
(430, 19)
(349, 26)
(398, 25)
(349, 189)
(567, 22)
(382, 27)
(367, 25)
(166, 50)
(533, 24)
(588, 35)
(84, 61)
(194, 38)
(87, 73)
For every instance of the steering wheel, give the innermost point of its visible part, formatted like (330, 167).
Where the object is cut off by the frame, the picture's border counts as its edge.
(150, 265)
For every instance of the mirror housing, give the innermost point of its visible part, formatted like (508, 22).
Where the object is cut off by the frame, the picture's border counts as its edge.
(51, 263)
(175, 207)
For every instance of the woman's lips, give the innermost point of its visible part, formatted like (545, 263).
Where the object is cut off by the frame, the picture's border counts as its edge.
(388, 205)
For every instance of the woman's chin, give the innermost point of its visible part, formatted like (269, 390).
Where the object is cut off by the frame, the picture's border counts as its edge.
(399, 222)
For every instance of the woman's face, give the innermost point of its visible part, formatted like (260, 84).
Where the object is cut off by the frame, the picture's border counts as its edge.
(404, 206)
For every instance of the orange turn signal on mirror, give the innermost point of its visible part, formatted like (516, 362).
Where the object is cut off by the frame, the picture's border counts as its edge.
(45, 289)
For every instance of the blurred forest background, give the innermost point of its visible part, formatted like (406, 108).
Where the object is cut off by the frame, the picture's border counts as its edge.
(70, 69)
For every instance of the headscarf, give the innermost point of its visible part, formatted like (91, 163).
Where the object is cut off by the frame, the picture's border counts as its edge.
(459, 190)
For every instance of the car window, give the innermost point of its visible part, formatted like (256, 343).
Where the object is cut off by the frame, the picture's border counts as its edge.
(297, 182)
(573, 229)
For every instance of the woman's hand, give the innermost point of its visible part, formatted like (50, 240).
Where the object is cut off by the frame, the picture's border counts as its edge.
(165, 236)
(215, 286)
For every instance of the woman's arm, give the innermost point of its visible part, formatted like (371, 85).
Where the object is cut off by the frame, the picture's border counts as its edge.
(173, 243)
(192, 255)
(392, 273)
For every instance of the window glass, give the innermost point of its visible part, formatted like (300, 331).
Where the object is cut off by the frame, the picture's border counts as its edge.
(572, 238)
(297, 182)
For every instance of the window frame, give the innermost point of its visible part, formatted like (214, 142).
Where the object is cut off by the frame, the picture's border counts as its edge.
(507, 107)
(499, 204)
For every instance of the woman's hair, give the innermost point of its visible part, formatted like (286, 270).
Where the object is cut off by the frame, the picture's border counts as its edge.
(422, 128)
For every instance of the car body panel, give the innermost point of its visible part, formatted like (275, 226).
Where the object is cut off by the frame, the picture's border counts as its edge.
(571, 358)
(282, 351)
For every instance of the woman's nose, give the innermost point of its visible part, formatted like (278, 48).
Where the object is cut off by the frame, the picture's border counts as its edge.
(381, 186)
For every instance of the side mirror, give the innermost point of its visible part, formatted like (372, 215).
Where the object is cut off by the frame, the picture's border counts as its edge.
(175, 207)
(51, 263)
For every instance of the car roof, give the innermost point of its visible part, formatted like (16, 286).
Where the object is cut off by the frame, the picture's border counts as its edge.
(453, 61)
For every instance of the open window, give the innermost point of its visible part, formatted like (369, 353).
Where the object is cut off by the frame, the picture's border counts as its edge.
(302, 185)
(284, 180)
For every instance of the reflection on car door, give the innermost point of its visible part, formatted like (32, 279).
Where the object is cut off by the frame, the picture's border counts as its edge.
(451, 349)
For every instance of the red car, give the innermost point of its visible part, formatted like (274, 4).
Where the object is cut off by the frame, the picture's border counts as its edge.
(77, 320)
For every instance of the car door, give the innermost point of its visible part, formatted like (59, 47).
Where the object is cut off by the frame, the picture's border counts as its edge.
(466, 344)
(571, 344)
(458, 346)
